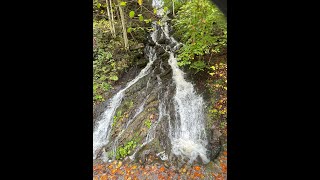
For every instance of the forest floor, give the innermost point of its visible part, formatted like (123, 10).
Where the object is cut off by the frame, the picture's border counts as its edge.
(116, 170)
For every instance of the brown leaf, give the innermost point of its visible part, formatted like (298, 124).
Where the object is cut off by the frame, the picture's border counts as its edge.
(104, 177)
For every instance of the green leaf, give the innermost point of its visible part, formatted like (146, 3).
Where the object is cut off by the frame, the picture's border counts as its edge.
(98, 5)
(212, 67)
(141, 18)
(155, 11)
(147, 20)
(131, 14)
(122, 3)
(114, 78)
(165, 9)
(95, 86)
(129, 29)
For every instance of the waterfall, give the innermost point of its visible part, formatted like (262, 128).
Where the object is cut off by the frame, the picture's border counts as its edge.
(186, 125)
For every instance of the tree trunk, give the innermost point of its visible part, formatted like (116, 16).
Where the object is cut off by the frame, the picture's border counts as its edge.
(109, 18)
(117, 13)
(173, 7)
(124, 29)
(112, 20)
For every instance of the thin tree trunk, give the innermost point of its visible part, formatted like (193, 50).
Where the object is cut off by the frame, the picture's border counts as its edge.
(124, 29)
(112, 20)
(173, 7)
(109, 18)
(117, 13)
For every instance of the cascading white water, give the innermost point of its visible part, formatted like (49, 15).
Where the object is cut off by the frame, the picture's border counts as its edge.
(102, 129)
(188, 137)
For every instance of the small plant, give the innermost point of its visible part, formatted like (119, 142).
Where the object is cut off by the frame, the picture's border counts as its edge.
(148, 123)
(126, 149)
(117, 117)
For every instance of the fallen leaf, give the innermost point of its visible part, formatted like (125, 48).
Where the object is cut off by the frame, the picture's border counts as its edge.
(197, 168)
(113, 171)
(119, 164)
(104, 177)
(196, 174)
(162, 169)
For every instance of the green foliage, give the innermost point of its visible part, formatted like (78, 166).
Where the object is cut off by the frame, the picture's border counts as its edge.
(198, 65)
(113, 78)
(148, 123)
(122, 3)
(177, 4)
(131, 14)
(203, 30)
(140, 17)
(100, 83)
(129, 104)
(110, 59)
(165, 9)
(125, 150)
(117, 117)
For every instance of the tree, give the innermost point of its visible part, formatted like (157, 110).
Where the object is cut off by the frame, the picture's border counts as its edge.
(113, 31)
(124, 29)
(110, 22)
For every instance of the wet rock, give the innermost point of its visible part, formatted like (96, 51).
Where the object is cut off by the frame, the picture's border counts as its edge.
(137, 46)
(165, 56)
(150, 41)
(214, 143)
(142, 62)
(160, 51)
(161, 39)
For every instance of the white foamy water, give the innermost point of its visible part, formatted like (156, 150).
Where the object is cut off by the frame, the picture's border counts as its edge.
(188, 136)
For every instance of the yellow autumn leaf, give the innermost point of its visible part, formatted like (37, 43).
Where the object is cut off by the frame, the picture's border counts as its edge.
(119, 164)
(140, 2)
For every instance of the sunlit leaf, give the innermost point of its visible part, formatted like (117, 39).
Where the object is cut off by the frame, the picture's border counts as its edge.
(140, 17)
(140, 2)
(114, 78)
(122, 3)
(131, 14)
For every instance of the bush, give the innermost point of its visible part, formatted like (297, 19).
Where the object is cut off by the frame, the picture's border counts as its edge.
(202, 28)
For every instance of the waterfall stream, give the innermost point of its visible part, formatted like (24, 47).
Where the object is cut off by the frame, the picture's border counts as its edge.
(186, 130)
